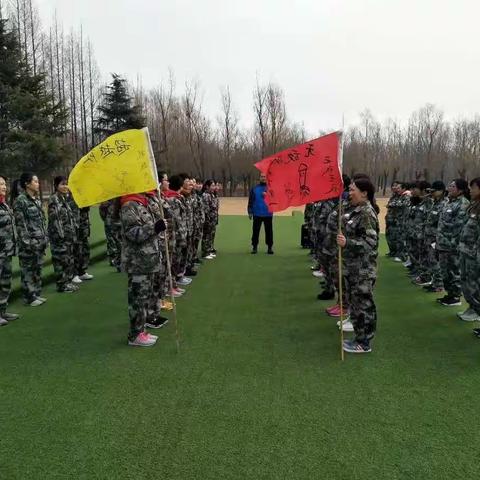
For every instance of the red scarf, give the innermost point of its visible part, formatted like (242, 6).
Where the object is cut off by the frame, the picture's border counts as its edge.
(134, 197)
(171, 194)
(2, 198)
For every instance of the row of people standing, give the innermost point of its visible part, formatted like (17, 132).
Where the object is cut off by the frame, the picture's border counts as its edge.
(435, 231)
(26, 233)
(358, 240)
(162, 232)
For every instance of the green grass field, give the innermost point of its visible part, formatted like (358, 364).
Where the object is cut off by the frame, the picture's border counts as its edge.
(258, 390)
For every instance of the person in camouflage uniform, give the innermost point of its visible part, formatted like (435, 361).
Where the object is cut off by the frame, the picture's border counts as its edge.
(7, 251)
(394, 221)
(81, 248)
(62, 232)
(450, 226)
(179, 213)
(316, 234)
(359, 242)
(431, 266)
(216, 213)
(469, 247)
(32, 238)
(109, 214)
(418, 220)
(199, 219)
(210, 218)
(141, 260)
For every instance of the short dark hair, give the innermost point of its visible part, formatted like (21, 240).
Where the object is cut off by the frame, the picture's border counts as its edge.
(422, 185)
(475, 181)
(58, 180)
(26, 178)
(176, 182)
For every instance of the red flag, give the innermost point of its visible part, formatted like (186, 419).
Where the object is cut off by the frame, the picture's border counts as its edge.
(303, 174)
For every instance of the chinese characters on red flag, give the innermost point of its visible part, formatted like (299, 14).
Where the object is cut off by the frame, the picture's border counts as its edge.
(303, 174)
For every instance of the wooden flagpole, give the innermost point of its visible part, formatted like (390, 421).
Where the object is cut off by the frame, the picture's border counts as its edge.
(340, 253)
(167, 251)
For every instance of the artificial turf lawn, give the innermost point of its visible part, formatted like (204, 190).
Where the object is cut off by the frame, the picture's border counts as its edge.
(258, 390)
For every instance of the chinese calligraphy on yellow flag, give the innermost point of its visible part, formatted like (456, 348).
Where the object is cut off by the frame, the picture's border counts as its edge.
(121, 165)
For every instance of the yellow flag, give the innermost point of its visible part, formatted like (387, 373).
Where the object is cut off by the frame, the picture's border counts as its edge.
(121, 165)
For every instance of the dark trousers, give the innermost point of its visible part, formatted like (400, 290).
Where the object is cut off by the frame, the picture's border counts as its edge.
(257, 225)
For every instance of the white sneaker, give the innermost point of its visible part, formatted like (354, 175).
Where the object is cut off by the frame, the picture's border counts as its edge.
(397, 259)
(318, 274)
(347, 325)
(184, 281)
(3, 322)
(35, 303)
(85, 276)
(76, 279)
(142, 340)
(42, 299)
(181, 290)
(209, 257)
(407, 264)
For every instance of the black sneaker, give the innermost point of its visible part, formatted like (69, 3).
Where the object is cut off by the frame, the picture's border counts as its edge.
(432, 289)
(190, 272)
(445, 297)
(451, 302)
(326, 295)
(158, 322)
(476, 332)
(270, 251)
(254, 251)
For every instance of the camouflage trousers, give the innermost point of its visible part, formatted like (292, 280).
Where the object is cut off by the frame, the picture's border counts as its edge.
(415, 252)
(63, 263)
(81, 251)
(470, 281)
(396, 240)
(208, 238)
(141, 300)
(114, 244)
(5, 282)
(327, 262)
(31, 274)
(450, 268)
(431, 265)
(363, 311)
(179, 262)
(197, 238)
(191, 252)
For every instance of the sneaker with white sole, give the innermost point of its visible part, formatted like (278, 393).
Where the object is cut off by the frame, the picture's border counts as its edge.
(76, 279)
(3, 322)
(469, 315)
(9, 317)
(347, 325)
(184, 281)
(397, 259)
(35, 303)
(158, 322)
(143, 340)
(352, 346)
(450, 301)
(318, 274)
(209, 257)
(42, 299)
(181, 291)
(85, 276)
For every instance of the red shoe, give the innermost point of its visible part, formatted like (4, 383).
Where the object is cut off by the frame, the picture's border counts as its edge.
(333, 308)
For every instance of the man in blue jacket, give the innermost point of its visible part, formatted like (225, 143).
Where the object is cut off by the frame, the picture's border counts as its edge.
(258, 210)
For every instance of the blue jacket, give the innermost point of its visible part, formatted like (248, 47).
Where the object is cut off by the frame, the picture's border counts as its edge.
(256, 202)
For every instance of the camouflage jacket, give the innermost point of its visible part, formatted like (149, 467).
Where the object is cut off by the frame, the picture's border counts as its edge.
(7, 231)
(395, 210)
(469, 243)
(418, 219)
(322, 212)
(329, 245)
(210, 206)
(450, 225)
(178, 209)
(62, 226)
(108, 213)
(216, 208)
(141, 246)
(433, 216)
(31, 224)
(307, 215)
(82, 218)
(198, 212)
(189, 216)
(361, 229)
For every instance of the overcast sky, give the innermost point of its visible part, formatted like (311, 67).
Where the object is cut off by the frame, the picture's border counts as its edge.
(331, 57)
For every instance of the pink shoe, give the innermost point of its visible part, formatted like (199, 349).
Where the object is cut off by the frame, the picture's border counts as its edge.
(333, 308)
(143, 340)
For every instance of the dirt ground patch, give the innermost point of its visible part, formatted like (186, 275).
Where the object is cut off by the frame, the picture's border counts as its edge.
(238, 206)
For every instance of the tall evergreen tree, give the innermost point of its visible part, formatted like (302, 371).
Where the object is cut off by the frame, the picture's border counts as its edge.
(117, 112)
(31, 123)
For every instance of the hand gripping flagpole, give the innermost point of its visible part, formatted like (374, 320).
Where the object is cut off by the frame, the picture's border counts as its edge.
(340, 253)
(167, 251)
